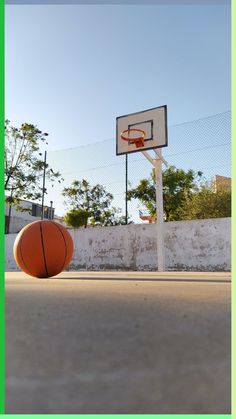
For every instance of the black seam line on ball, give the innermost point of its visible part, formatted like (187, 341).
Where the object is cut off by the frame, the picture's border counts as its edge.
(64, 242)
(44, 256)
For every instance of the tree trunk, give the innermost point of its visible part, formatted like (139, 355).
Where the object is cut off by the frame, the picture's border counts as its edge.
(8, 221)
(7, 227)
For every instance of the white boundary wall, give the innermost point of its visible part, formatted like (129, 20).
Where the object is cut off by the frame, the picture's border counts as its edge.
(199, 245)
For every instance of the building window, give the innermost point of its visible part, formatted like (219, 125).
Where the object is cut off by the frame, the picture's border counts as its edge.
(36, 210)
(48, 212)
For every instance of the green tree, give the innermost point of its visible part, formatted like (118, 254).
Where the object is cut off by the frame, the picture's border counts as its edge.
(94, 200)
(111, 217)
(178, 186)
(206, 203)
(24, 165)
(77, 218)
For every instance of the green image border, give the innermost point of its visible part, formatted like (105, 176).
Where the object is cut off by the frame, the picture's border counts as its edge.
(2, 249)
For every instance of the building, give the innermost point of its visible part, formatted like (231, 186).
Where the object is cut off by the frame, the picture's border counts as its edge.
(31, 212)
(222, 183)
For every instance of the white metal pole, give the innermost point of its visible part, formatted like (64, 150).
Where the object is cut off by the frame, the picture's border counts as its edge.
(159, 212)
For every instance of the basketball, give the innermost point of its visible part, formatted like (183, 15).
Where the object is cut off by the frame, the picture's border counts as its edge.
(43, 249)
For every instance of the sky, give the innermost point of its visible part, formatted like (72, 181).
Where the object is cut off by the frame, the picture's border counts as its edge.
(71, 70)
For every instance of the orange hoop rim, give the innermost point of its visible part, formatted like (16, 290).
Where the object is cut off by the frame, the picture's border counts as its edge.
(133, 140)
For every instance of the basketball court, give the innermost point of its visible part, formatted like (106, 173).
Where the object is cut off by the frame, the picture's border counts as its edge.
(118, 342)
(115, 342)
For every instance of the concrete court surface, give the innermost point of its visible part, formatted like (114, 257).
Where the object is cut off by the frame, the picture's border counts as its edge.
(118, 342)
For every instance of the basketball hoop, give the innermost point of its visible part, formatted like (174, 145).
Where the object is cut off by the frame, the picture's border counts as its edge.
(147, 217)
(138, 141)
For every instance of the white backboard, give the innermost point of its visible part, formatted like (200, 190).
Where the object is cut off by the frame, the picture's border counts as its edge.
(152, 121)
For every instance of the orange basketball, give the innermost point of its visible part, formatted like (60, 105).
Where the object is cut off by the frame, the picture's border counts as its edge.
(43, 249)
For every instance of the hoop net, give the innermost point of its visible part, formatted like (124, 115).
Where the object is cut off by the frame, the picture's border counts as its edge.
(129, 135)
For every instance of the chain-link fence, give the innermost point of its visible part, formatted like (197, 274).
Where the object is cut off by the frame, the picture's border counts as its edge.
(202, 145)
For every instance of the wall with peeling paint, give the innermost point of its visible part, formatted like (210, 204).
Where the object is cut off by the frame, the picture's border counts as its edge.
(199, 245)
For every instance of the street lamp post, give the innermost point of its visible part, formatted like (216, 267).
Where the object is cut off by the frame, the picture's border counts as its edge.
(51, 217)
(44, 176)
